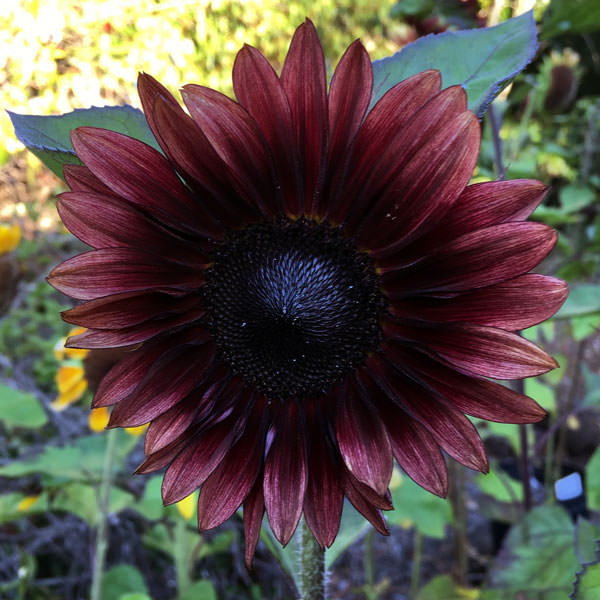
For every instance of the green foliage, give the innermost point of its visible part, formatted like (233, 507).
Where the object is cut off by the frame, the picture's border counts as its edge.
(122, 580)
(200, 590)
(570, 16)
(81, 461)
(587, 583)
(482, 60)
(28, 334)
(443, 586)
(592, 481)
(48, 137)
(415, 506)
(20, 409)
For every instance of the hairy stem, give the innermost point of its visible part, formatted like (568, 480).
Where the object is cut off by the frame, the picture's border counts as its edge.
(103, 507)
(312, 560)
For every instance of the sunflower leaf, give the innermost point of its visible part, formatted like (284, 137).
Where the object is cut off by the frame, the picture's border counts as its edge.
(48, 137)
(483, 61)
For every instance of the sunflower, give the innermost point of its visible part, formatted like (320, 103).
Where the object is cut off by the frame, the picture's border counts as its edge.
(314, 287)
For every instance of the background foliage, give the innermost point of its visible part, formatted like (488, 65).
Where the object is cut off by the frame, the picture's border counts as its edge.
(486, 542)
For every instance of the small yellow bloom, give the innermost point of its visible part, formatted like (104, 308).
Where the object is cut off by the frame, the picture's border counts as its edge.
(71, 383)
(10, 236)
(135, 431)
(187, 505)
(61, 353)
(98, 418)
(26, 503)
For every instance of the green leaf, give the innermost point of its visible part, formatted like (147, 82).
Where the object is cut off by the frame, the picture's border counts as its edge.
(592, 386)
(500, 486)
(83, 460)
(443, 586)
(82, 500)
(150, 505)
(583, 327)
(20, 409)
(414, 505)
(352, 527)
(570, 16)
(483, 61)
(48, 137)
(537, 559)
(583, 299)
(575, 197)
(199, 590)
(592, 481)
(587, 583)
(587, 536)
(121, 580)
(541, 393)
(9, 504)
(135, 596)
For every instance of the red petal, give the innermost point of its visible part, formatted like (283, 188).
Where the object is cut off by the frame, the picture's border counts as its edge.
(224, 491)
(349, 97)
(415, 449)
(305, 82)
(426, 186)
(363, 441)
(106, 222)
(204, 169)
(163, 457)
(324, 496)
(116, 270)
(254, 510)
(477, 259)
(419, 455)
(127, 336)
(260, 92)
(237, 139)
(382, 136)
(143, 176)
(168, 426)
(127, 310)
(512, 305)
(126, 375)
(449, 427)
(476, 350)
(285, 474)
(172, 379)
(477, 397)
(81, 179)
(362, 505)
(196, 462)
(483, 205)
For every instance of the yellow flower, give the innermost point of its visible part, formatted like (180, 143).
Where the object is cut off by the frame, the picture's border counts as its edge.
(10, 236)
(187, 506)
(26, 503)
(135, 431)
(71, 383)
(98, 418)
(61, 353)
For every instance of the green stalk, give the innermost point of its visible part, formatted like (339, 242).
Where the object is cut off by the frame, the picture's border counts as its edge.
(415, 576)
(181, 557)
(103, 506)
(312, 563)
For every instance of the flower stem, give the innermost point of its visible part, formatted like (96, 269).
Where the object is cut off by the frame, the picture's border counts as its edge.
(312, 560)
(415, 576)
(103, 507)
(459, 510)
(181, 554)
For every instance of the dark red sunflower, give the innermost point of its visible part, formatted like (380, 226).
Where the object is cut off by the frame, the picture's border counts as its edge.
(313, 287)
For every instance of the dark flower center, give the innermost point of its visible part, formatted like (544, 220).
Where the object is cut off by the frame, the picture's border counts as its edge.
(293, 306)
